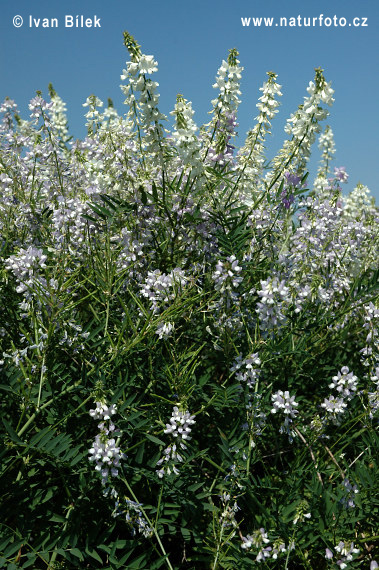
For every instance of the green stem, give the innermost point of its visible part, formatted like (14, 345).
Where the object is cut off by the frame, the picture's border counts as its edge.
(158, 507)
(45, 405)
(289, 550)
(41, 382)
(218, 548)
(149, 523)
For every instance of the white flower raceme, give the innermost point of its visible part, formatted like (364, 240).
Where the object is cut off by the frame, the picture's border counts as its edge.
(160, 288)
(283, 402)
(251, 156)
(345, 383)
(26, 266)
(107, 456)
(221, 129)
(184, 135)
(179, 428)
(179, 424)
(102, 411)
(58, 118)
(93, 116)
(104, 451)
(164, 330)
(229, 509)
(359, 203)
(258, 541)
(268, 104)
(247, 370)
(275, 298)
(38, 106)
(303, 125)
(301, 512)
(228, 82)
(226, 275)
(142, 98)
(328, 148)
(334, 405)
(147, 64)
(347, 550)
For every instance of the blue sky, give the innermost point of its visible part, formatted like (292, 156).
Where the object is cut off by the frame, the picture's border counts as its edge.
(189, 40)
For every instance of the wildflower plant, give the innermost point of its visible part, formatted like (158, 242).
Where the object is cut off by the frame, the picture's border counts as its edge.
(188, 337)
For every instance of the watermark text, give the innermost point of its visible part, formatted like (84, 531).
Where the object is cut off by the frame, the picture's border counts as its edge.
(320, 21)
(67, 21)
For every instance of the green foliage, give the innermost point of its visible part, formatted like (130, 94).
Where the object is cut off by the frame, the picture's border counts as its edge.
(132, 278)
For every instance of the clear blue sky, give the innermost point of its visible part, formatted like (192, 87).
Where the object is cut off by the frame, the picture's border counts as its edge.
(189, 40)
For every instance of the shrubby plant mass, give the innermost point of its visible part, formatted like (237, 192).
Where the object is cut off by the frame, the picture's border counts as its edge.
(189, 338)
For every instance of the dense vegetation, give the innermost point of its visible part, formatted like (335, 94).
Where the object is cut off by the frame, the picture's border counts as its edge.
(189, 338)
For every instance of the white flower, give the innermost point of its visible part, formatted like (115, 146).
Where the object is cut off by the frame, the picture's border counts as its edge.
(334, 405)
(102, 411)
(147, 64)
(345, 383)
(283, 401)
(164, 330)
(179, 427)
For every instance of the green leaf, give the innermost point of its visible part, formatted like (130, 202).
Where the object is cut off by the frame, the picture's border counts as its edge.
(154, 191)
(76, 552)
(12, 434)
(143, 196)
(94, 555)
(155, 439)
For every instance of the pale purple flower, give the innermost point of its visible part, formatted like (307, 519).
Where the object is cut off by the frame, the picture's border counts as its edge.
(282, 401)
(345, 383)
(334, 405)
(340, 173)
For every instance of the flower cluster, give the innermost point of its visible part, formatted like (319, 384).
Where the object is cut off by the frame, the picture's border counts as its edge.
(302, 512)
(142, 96)
(327, 146)
(275, 298)
(303, 125)
(359, 203)
(159, 288)
(107, 456)
(347, 550)
(104, 451)
(350, 490)
(292, 183)
(26, 266)
(184, 136)
(223, 125)
(226, 275)
(283, 401)
(228, 512)
(179, 428)
(345, 384)
(38, 107)
(251, 155)
(247, 369)
(258, 540)
(131, 511)
(285, 404)
(164, 330)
